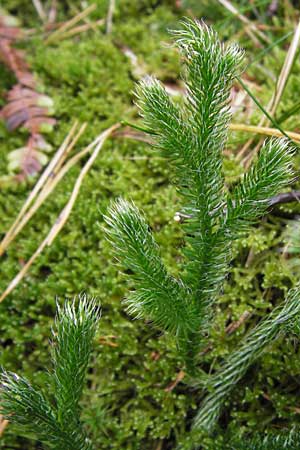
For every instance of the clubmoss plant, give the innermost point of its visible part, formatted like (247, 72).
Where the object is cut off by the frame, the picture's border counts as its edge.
(192, 136)
(155, 413)
(283, 319)
(56, 424)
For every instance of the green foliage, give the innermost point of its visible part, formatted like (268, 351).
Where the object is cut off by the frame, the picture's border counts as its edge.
(78, 258)
(267, 176)
(159, 296)
(75, 329)
(57, 426)
(192, 137)
(128, 404)
(27, 407)
(284, 440)
(223, 382)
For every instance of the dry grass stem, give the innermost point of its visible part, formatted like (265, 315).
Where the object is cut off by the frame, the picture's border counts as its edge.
(40, 10)
(180, 376)
(287, 65)
(251, 28)
(266, 131)
(232, 327)
(82, 28)
(67, 209)
(24, 215)
(109, 19)
(67, 25)
(63, 216)
(263, 130)
(48, 187)
(276, 97)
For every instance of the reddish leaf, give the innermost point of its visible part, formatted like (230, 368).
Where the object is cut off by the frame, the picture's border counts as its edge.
(26, 107)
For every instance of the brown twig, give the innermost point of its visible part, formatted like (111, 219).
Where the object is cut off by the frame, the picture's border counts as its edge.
(232, 327)
(263, 130)
(108, 340)
(3, 425)
(266, 131)
(81, 29)
(287, 197)
(180, 376)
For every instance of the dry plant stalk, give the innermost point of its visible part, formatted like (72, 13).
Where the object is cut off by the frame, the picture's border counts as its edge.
(96, 145)
(250, 28)
(40, 10)
(66, 30)
(81, 29)
(41, 189)
(3, 425)
(109, 19)
(276, 97)
(266, 131)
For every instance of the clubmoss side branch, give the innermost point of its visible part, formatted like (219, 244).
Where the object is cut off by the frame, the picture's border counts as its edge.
(59, 425)
(221, 384)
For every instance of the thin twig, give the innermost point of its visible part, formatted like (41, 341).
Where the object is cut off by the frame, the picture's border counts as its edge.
(261, 107)
(180, 376)
(264, 130)
(48, 187)
(232, 327)
(143, 134)
(67, 25)
(135, 136)
(81, 29)
(286, 197)
(251, 26)
(110, 14)
(51, 183)
(286, 69)
(67, 209)
(3, 425)
(40, 10)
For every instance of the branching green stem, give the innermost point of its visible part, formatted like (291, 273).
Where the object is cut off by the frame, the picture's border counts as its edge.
(191, 134)
(223, 382)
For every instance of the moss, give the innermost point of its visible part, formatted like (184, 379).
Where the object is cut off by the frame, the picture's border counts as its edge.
(126, 405)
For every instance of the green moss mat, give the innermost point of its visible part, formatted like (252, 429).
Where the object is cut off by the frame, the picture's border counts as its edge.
(126, 404)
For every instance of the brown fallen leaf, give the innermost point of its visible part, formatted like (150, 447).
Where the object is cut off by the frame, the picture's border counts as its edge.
(26, 107)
